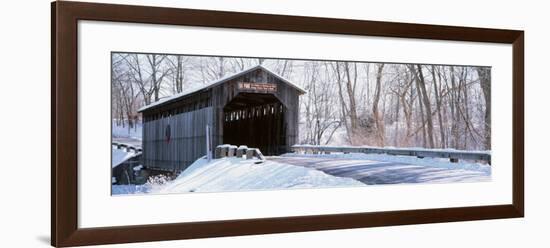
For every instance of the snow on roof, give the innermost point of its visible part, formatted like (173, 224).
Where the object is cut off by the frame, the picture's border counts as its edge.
(220, 81)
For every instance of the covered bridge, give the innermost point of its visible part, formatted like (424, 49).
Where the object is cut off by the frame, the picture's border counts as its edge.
(254, 107)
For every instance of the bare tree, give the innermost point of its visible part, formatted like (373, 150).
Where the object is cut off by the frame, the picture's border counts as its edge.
(438, 104)
(157, 72)
(343, 106)
(378, 117)
(421, 85)
(351, 83)
(178, 72)
(484, 74)
(320, 114)
(126, 97)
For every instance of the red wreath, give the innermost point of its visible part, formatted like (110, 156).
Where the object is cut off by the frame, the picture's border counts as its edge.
(167, 134)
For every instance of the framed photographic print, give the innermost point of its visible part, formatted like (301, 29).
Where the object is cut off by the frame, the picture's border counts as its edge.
(177, 123)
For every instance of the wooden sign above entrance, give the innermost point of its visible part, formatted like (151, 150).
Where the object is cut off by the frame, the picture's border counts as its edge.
(258, 87)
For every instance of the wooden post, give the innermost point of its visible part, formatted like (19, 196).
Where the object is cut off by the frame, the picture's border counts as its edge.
(224, 151)
(249, 153)
(208, 144)
(221, 151)
(231, 151)
(259, 154)
(218, 152)
(241, 151)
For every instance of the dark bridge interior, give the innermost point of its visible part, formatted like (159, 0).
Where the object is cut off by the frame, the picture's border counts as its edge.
(257, 121)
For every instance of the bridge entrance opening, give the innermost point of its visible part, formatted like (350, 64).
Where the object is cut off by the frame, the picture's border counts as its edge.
(257, 121)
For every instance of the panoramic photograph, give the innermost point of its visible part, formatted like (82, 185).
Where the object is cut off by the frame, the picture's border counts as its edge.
(195, 123)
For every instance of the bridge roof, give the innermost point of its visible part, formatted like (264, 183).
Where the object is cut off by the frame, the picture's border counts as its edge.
(218, 82)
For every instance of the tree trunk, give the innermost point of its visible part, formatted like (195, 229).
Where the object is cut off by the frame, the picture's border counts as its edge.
(423, 124)
(485, 82)
(396, 135)
(221, 69)
(179, 74)
(350, 89)
(422, 85)
(455, 104)
(438, 103)
(379, 123)
(343, 106)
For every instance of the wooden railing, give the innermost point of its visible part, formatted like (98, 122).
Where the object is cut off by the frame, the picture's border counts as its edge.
(452, 155)
(127, 147)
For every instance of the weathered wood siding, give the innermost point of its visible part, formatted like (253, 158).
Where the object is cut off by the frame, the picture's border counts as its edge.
(187, 140)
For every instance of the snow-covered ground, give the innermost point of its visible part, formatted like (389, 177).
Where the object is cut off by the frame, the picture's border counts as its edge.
(119, 155)
(235, 174)
(292, 171)
(387, 169)
(124, 132)
(131, 189)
